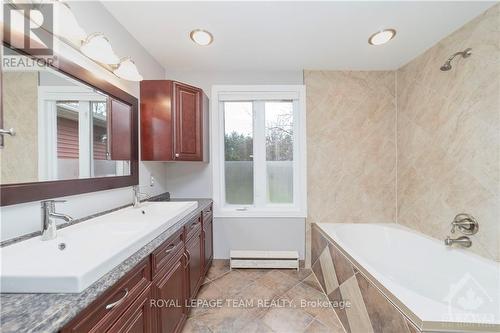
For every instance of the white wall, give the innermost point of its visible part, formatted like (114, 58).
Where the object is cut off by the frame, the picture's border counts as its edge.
(185, 180)
(93, 17)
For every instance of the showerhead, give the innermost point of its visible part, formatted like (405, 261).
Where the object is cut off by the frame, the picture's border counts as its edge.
(447, 65)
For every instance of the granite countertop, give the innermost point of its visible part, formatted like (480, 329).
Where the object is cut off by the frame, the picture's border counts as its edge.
(50, 312)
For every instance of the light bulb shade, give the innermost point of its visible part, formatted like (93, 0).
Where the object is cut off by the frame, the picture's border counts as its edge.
(97, 47)
(127, 70)
(66, 25)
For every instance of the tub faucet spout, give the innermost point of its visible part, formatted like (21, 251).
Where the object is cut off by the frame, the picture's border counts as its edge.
(462, 241)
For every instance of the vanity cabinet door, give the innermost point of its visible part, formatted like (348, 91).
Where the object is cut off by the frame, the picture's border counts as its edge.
(194, 251)
(208, 240)
(137, 318)
(188, 127)
(171, 289)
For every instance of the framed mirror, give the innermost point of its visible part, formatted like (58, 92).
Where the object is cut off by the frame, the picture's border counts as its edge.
(74, 132)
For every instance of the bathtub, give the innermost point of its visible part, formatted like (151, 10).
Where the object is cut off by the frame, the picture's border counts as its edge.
(435, 288)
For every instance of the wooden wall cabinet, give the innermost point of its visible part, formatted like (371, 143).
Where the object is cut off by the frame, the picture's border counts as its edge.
(173, 273)
(174, 122)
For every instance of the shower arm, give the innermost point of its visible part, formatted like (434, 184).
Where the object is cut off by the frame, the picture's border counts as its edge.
(465, 53)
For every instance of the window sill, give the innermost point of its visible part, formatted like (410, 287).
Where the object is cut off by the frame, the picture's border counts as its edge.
(259, 213)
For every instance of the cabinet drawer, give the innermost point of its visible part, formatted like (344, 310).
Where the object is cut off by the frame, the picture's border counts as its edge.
(137, 318)
(103, 312)
(193, 227)
(167, 251)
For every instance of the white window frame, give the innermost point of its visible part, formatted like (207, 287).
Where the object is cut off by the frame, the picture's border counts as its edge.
(297, 93)
(47, 128)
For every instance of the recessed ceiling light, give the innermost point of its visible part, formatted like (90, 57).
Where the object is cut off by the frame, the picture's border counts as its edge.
(201, 37)
(382, 37)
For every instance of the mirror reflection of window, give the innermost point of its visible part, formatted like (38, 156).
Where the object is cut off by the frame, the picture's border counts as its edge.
(102, 166)
(63, 128)
(67, 139)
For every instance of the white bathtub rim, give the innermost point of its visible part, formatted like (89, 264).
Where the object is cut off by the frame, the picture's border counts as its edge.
(424, 325)
(420, 234)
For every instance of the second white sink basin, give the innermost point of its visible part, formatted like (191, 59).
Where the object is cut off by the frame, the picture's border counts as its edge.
(84, 252)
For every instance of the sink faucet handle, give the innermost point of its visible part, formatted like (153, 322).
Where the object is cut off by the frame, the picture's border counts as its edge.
(54, 201)
(50, 204)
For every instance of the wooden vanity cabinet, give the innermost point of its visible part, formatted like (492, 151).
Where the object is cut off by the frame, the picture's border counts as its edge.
(174, 121)
(170, 287)
(194, 251)
(137, 318)
(208, 238)
(153, 296)
(101, 314)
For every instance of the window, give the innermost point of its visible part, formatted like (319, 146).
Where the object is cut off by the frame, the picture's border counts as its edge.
(259, 158)
(238, 153)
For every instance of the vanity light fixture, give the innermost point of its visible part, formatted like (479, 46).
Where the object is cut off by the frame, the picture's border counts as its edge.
(97, 47)
(201, 37)
(382, 37)
(65, 23)
(66, 28)
(127, 70)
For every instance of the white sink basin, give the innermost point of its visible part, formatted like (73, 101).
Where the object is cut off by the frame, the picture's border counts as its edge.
(92, 249)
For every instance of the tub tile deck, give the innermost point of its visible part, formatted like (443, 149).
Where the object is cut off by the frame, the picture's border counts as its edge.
(369, 310)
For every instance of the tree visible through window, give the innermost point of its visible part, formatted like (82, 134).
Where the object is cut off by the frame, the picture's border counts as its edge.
(238, 152)
(279, 151)
(274, 125)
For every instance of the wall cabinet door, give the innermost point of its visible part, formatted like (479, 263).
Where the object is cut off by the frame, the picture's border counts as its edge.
(119, 130)
(156, 120)
(194, 252)
(137, 318)
(188, 128)
(171, 288)
(174, 122)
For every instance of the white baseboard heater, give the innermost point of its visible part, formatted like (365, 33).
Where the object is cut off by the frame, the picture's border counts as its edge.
(264, 259)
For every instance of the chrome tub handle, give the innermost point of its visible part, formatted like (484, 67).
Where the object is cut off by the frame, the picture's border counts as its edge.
(10, 131)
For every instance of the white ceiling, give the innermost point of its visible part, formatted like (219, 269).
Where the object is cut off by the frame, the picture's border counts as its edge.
(290, 35)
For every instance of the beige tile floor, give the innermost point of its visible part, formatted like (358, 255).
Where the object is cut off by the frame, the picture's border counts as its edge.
(283, 301)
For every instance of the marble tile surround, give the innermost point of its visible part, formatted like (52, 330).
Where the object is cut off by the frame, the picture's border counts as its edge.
(449, 135)
(20, 99)
(415, 146)
(351, 147)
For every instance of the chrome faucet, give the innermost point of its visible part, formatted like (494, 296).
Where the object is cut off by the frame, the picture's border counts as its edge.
(49, 230)
(467, 225)
(137, 196)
